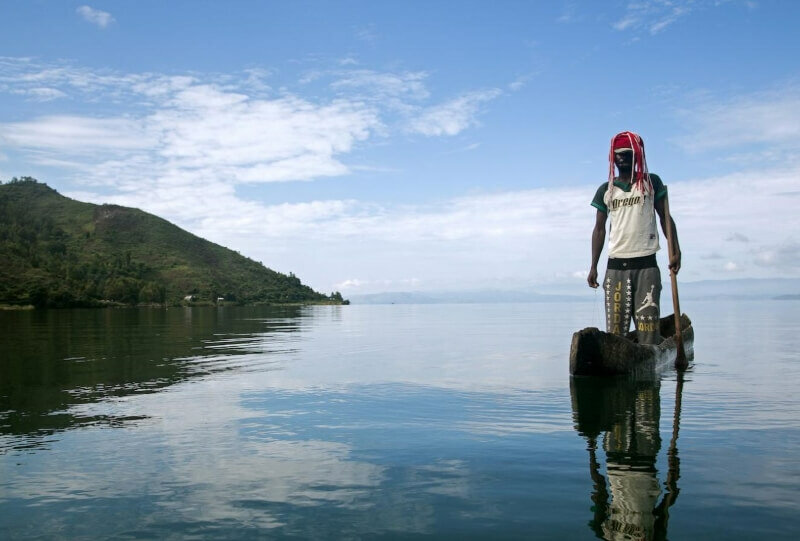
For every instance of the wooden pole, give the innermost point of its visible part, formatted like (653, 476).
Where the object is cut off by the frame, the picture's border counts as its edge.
(680, 359)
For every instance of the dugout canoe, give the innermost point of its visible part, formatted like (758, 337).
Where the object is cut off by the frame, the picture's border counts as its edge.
(597, 353)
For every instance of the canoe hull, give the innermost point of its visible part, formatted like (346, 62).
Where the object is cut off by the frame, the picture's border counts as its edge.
(597, 353)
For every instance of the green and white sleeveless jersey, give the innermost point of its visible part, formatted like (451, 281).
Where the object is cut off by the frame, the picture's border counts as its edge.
(633, 231)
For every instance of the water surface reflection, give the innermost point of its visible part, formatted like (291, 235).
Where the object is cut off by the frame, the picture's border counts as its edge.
(56, 361)
(389, 421)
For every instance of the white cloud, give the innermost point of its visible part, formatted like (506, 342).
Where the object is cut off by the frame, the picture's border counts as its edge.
(77, 134)
(454, 116)
(202, 126)
(353, 283)
(260, 140)
(531, 236)
(520, 238)
(763, 118)
(228, 126)
(785, 256)
(42, 93)
(95, 16)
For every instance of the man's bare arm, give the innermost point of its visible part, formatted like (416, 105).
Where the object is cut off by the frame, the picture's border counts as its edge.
(598, 240)
(675, 259)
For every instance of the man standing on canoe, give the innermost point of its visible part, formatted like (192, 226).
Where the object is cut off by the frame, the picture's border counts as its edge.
(633, 281)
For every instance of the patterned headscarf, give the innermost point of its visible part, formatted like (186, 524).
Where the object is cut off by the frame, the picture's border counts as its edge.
(628, 140)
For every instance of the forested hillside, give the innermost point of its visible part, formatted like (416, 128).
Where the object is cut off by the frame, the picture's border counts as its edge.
(58, 252)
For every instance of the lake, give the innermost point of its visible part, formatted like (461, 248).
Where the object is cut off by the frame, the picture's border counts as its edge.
(391, 421)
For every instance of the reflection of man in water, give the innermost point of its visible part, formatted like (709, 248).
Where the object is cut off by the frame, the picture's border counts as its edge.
(626, 415)
(631, 447)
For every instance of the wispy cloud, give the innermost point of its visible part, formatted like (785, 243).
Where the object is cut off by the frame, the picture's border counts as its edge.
(23, 76)
(654, 16)
(625, 23)
(368, 33)
(95, 16)
(41, 93)
(383, 84)
(737, 237)
(466, 148)
(520, 82)
(454, 116)
(568, 14)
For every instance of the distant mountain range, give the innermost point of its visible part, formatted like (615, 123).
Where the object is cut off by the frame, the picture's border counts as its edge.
(58, 252)
(460, 297)
(741, 289)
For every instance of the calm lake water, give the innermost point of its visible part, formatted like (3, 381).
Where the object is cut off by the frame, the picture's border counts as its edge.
(393, 421)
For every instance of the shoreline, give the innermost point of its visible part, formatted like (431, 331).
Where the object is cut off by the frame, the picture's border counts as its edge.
(25, 307)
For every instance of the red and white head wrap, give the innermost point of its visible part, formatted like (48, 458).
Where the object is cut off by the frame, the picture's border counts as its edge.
(627, 140)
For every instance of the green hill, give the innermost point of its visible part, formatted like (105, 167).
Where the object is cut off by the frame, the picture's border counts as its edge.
(58, 252)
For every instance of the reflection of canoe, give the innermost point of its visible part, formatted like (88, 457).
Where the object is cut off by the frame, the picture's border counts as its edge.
(597, 353)
(603, 404)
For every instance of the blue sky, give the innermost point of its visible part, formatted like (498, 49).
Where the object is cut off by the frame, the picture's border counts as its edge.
(376, 146)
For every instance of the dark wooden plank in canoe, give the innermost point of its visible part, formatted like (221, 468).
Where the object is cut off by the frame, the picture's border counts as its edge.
(597, 353)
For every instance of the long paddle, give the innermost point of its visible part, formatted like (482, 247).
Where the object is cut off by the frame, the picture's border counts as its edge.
(674, 464)
(680, 359)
